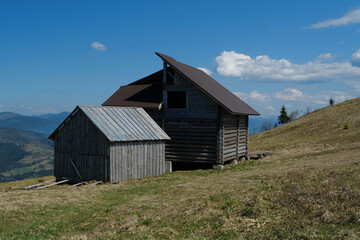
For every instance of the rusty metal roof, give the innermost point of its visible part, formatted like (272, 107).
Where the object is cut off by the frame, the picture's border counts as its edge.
(211, 87)
(120, 124)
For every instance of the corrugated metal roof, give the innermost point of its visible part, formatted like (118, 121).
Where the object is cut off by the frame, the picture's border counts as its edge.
(120, 124)
(211, 87)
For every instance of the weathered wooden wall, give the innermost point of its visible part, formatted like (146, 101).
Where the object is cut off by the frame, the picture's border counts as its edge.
(235, 136)
(82, 152)
(199, 105)
(135, 160)
(203, 131)
(79, 143)
(193, 130)
(191, 140)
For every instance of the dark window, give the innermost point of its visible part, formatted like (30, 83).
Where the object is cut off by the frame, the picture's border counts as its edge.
(176, 99)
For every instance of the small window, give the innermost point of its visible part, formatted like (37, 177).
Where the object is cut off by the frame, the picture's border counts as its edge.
(176, 99)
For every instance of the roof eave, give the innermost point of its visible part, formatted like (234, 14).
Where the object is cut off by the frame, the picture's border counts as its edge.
(52, 135)
(246, 114)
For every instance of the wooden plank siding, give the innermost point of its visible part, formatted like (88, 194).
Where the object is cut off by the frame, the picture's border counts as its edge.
(136, 160)
(82, 152)
(198, 104)
(235, 136)
(192, 140)
(193, 130)
(203, 132)
(72, 148)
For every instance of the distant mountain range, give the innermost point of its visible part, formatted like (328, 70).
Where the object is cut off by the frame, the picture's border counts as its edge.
(24, 154)
(25, 150)
(44, 124)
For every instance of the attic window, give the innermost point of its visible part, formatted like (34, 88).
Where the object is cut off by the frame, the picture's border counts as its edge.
(176, 99)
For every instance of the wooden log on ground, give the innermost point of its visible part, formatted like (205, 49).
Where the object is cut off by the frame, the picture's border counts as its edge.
(96, 183)
(37, 185)
(53, 184)
(77, 184)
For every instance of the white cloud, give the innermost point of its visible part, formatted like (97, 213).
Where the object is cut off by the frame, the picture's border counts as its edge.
(321, 102)
(289, 94)
(258, 96)
(207, 71)
(241, 95)
(271, 108)
(263, 68)
(340, 96)
(354, 85)
(1, 106)
(355, 59)
(323, 98)
(254, 95)
(325, 57)
(98, 46)
(351, 17)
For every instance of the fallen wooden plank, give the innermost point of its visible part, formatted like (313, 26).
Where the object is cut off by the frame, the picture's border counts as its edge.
(96, 183)
(37, 185)
(53, 184)
(77, 184)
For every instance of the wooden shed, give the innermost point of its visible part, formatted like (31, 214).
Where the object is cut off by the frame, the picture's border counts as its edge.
(206, 122)
(108, 144)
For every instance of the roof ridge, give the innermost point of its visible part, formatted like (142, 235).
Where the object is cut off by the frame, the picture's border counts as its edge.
(119, 124)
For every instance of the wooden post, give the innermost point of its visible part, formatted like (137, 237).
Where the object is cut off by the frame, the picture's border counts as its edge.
(237, 137)
(164, 103)
(220, 138)
(247, 137)
(164, 73)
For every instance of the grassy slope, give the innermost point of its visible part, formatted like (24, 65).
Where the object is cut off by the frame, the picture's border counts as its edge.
(31, 154)
(309, 188)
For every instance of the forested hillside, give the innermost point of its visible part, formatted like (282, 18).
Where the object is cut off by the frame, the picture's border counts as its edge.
(24, 154)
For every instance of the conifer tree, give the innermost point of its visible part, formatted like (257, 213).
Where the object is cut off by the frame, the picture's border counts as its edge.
(283, 117)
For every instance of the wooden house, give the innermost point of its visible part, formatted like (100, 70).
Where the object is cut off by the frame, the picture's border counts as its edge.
(205, 121)
(108, 144)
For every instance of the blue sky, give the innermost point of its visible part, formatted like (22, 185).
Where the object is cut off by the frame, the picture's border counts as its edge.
(55, 55)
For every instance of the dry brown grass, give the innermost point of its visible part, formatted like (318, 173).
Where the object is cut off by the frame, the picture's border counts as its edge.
(308, 189)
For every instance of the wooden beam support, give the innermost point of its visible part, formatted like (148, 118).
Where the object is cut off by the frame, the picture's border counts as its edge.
(77, 171)
(165, 73)
(220, 138)
(238, 137)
